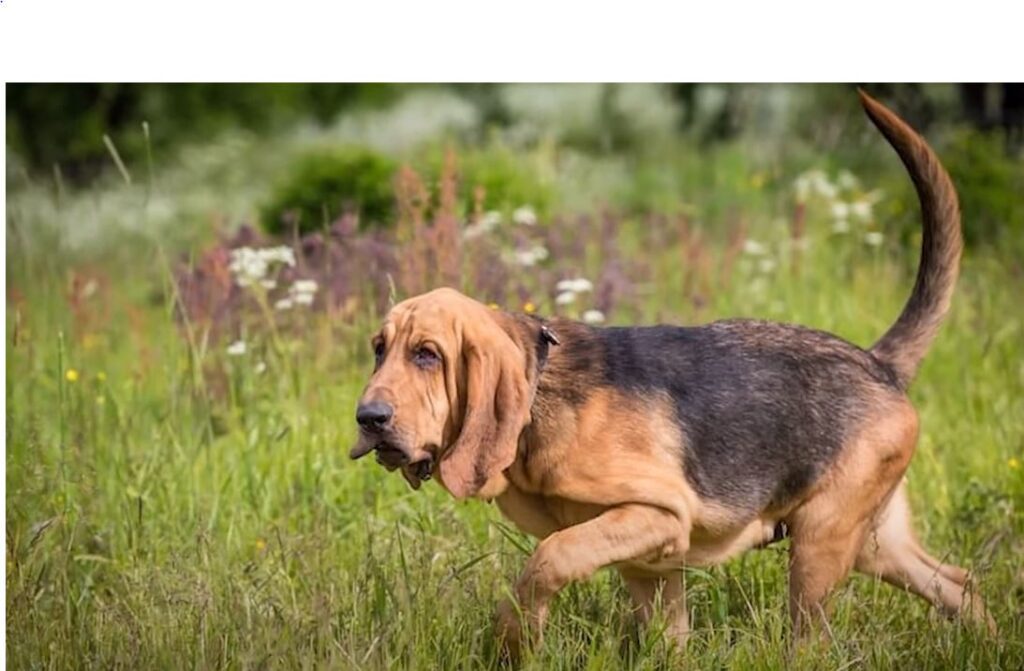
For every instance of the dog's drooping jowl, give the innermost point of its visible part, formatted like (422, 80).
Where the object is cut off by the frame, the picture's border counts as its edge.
(652, 448)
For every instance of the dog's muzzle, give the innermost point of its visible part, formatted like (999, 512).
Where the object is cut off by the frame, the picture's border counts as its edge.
(416, 468)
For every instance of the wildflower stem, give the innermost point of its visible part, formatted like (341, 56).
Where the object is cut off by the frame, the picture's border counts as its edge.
(117, 159)
(62, 413)
(268, 315)
(194, 351)
(149, 162)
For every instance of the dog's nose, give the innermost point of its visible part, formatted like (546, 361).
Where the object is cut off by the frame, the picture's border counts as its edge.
(374, 415)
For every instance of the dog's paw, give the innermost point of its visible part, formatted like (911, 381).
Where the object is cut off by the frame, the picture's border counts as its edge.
(519, 629)
(509, 630)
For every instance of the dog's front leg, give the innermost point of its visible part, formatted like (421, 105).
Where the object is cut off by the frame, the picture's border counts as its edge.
(623, 533)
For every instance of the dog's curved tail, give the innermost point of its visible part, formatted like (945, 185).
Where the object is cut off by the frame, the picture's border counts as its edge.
(905, 343)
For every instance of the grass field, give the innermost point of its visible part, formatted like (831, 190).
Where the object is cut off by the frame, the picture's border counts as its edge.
(174, 505)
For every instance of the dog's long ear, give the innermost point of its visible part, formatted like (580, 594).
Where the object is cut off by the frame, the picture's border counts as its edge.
(496, 409)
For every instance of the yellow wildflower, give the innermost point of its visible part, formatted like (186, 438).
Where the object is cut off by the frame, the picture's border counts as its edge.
(529, 308)
(90, 341)
(260, 544)
(493, 306)
(71, 375)
(1013, 463)
(101, 376)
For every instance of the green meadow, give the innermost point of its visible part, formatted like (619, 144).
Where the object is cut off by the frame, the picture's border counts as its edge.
(179, 493)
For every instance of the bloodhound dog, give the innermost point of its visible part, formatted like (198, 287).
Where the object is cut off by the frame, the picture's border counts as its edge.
(654, 448)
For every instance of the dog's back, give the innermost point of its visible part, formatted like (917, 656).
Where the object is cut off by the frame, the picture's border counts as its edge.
(763, 407)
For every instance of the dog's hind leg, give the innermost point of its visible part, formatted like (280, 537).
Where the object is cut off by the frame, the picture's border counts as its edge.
(829, 528)
(892, 552)
(667, 590)
(817, 562)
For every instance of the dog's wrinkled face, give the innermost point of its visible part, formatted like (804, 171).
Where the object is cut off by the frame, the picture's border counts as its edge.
(449, 387)
(406, 405)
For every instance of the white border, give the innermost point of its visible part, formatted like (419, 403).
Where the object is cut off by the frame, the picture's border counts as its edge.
(526, 40)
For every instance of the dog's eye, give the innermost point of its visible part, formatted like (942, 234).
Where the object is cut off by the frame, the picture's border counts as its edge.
(424, 357)
(378, 352)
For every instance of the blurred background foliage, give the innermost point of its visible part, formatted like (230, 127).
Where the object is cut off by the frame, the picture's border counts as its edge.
(632, 143)
(65, 123)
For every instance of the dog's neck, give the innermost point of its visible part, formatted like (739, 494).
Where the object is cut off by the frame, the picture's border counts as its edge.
(563, 360)
(535, 337)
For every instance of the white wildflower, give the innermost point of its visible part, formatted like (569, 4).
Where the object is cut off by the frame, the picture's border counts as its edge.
(873, 238)
(525, 216)
(754, 248)
(525, 258)
(247, 265)
(268, 284)
(822, 186)
(814, 182)
(799, 244)
(236, 348)
(578, 285)
(488, 222)
(282, 254)
(250, 266)
(260, 367)
(593, 316)
(874, 196)
(284, 304)
(840, 226)
(840, 210)
(530, 257)
(861, 209)
(766, 265)
(472, 231)
(302, 292)
(565, 298)
(847, 180)
(802, 188)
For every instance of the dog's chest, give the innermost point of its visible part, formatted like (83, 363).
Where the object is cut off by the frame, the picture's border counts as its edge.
(540, 515)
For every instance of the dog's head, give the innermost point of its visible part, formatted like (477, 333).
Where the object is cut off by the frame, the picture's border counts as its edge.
(451, 385)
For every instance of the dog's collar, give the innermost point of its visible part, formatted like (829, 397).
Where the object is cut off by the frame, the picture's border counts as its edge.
(545, 339)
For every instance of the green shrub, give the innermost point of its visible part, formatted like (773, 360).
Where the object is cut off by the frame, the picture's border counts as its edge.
(323, 184)
(506, 184)
(508, 179)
